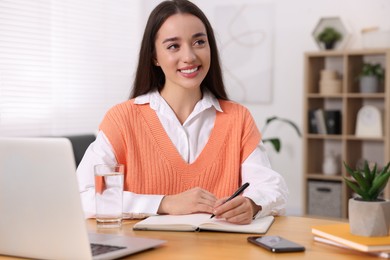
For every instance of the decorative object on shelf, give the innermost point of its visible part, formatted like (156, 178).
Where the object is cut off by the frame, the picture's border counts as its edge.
(328, 31)
(369, 122)
(329, 36)
(324, 121)
(368, 215)
(333, 122)
(276, 143)
(375, 38)
(330, 84)
(370, 77)
(330, 165)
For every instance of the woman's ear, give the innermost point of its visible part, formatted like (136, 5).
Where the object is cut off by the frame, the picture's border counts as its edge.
(156, 62)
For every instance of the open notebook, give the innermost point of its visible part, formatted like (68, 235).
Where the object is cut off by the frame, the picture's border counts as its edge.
(197, 222)
(40, 207)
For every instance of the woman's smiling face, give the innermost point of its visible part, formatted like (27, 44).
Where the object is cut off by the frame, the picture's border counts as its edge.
(183, 51)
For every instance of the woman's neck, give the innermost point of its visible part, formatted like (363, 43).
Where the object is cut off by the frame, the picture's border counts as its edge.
(182, 101)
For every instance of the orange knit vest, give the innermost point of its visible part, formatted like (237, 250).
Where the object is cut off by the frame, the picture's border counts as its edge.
(154, 166)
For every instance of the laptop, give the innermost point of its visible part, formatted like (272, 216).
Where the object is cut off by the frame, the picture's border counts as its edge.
(40, 207)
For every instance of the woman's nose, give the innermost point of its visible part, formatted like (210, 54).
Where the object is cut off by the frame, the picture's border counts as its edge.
(188, 54)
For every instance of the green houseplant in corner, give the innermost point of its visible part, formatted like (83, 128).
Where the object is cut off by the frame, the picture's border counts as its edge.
(275, 141)
(368, 215)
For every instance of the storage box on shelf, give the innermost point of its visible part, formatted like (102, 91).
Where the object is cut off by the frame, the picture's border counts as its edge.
(322, 69)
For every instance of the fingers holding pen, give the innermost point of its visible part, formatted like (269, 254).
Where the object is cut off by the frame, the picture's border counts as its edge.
(238, 210)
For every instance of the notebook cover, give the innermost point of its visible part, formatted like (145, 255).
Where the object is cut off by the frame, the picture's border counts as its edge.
(340, 233)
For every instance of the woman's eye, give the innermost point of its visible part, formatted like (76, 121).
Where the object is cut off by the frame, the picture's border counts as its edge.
(200, 42)
(173, 47)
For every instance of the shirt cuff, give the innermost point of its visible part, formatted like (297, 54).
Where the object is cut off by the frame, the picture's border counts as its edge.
(140, 205)
(268, 208)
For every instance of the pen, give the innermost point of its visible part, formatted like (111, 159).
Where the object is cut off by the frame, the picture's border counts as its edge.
(241, 189)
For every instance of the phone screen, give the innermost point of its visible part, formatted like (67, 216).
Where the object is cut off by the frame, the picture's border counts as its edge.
(276, 244)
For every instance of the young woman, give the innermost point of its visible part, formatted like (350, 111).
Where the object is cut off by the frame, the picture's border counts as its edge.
(185, 146)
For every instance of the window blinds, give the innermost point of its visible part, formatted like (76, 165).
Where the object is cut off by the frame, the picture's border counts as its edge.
(63, 63)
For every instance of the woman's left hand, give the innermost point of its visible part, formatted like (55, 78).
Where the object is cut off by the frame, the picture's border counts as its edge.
(239, 210)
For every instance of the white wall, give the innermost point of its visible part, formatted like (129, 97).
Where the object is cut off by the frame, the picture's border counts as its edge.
(294, 23)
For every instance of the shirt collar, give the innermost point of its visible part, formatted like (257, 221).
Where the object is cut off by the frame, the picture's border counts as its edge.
(157, 102)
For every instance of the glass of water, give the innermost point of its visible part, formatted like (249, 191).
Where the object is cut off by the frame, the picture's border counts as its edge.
(109, 194)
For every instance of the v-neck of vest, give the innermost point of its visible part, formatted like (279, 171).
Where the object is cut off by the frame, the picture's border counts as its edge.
(167, 148)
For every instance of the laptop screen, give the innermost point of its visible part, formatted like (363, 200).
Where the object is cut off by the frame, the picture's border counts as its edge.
(40, 205)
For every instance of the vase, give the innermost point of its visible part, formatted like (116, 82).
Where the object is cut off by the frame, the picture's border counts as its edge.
(330, 166)
(369, 84)
(369, 218)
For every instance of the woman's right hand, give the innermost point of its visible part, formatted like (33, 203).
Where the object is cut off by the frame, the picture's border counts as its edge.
(195, 200)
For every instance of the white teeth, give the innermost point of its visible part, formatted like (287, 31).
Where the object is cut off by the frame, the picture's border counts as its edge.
(190, 71)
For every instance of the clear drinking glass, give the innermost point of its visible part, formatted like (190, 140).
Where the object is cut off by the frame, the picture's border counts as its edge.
(109, 194)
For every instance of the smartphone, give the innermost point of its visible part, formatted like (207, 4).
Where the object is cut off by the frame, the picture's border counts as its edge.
(276, 244)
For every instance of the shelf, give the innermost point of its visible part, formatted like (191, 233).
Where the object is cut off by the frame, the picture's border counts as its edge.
(316, 95)
(366, 95)
(320, 176)
(346, 137)
(364, 138)
(331, 53)
(326, 137)
(347, 147)
(347, 95)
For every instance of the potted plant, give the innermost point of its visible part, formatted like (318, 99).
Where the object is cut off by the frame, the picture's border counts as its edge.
(370, 76)
(368, 214)
(274, 141)
(329, 36)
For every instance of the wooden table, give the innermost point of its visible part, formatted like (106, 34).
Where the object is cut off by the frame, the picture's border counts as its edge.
(217, 245)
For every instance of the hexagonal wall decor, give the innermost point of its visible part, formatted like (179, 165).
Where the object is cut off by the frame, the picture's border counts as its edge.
(335, 23)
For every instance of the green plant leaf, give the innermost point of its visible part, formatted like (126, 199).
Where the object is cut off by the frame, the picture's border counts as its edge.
(291, 123)
(384, 170)
(375, 194)
(328, 35)
(370, 175)
(363, 183)
(373, 173)
(269, 120)
(370, 184)
(348, 168)
(275, 118)
(378, 185)
(275, 143)
(369, 69)
(357, 189)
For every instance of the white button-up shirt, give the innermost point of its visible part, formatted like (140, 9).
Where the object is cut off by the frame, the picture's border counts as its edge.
(267, 188)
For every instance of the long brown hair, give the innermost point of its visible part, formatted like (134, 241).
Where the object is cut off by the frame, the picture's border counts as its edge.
(150, 77)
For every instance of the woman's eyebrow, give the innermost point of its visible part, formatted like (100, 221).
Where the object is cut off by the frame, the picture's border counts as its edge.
(200, 34)
(196, 35)
(172, 39)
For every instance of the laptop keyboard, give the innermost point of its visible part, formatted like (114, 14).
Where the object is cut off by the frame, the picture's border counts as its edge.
(98, 249)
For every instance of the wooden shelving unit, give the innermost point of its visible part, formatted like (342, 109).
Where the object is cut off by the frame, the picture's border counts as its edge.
(346, 146)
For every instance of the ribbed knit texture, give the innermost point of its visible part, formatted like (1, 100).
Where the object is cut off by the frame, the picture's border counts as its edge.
(154, 166)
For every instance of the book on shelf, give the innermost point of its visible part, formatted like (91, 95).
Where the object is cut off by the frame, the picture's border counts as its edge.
(333, 121)
(312, 122)
(382, 254)
(201, 221)
(339, 233)
(324, 121)
(320, 120)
